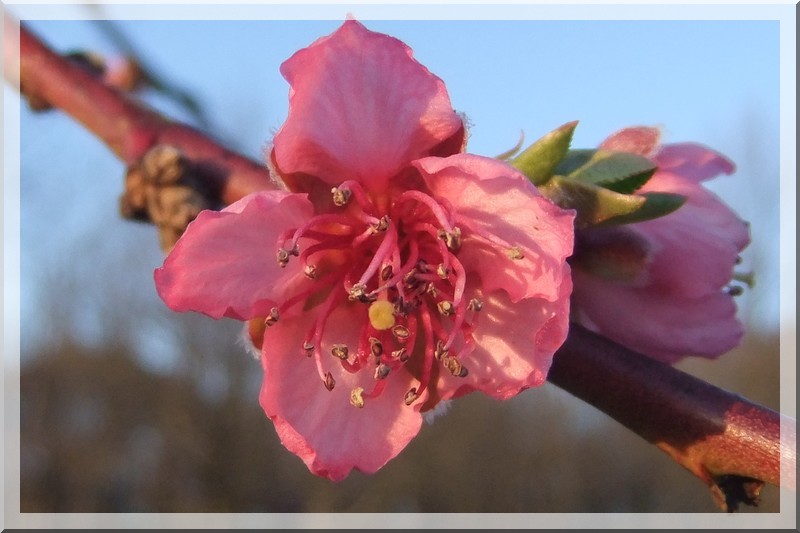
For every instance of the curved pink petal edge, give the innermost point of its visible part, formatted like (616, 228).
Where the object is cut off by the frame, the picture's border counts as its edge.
(498, 209)
(697, 246)
(639, 140)
(330, 435)
(692, 161)
(361, 107)
(666, 327)
(224, 265)
(515, 343)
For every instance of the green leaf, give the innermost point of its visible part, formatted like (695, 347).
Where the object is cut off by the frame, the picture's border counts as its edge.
(621, 172)
(596, 205)
(540, 159)
(656, 205)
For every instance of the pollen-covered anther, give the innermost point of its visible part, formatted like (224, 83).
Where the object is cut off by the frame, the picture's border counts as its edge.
(475, 305)
(283, 257)
(340, 351)
(357, 292)
(340, 196)
(452, 238)
(329, 381)
(357, 397)
(386, 272)
(439, 352)
(381, 371)
(411, 396)
(310, 271)
(308, 349)
(442, 271)
(381, 226)
(409, 277)
(515, 253)
(401, 333)
(272, 318)
(375, 347)
(431, 289)
(454, 366)
(445, 308)
(401, 355)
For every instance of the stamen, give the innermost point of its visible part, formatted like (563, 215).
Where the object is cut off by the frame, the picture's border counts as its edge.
(515, 253)
(310, 271)
(381, 371)
(329, 382)
(383, 252)
(475, 305)
(340, 350)
(357, 397)
(445, 308)
(376, 348)
(431, 289)
(401, 333)
(401, 355)
(454, 366)
(358, 194)
(340, 196)
(272, 318)
(461, 281)
(284, 255)
(411, 396)
(442, 271)
(436, 208)
(381, 225)
(439, 352)
(386, 272)
(357, 292)
(452, 238)
(308, 349)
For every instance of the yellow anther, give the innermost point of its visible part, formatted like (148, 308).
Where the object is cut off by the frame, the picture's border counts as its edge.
(357, 397)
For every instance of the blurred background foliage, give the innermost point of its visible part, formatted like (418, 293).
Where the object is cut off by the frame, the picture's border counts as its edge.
(128, 407)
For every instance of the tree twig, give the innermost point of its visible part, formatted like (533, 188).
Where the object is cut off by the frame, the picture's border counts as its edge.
(730, 443)
(127, 127)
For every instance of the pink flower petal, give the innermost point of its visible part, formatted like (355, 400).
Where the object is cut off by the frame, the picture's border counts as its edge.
(695, 247)
(692, 161)
(225, 263)
(361, 108)
(492, 199)
(664, 326)
(638, 140)
(330, 435)
(515, 343)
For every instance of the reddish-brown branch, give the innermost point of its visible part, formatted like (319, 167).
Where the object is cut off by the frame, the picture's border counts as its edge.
(717, 435)
(127, 127)
(713, 433)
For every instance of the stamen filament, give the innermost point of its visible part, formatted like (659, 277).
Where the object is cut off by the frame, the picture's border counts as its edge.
(436, 208)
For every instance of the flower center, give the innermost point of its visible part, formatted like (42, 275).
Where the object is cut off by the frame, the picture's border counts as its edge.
(402, 267)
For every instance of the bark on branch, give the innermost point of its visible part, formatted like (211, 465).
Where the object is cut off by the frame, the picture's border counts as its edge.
(731, 444)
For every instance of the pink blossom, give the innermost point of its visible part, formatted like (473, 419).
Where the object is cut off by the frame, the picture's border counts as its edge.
(396, 271)
(667, 293)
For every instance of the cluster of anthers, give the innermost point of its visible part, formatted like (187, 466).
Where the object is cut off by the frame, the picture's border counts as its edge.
(403, 267)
